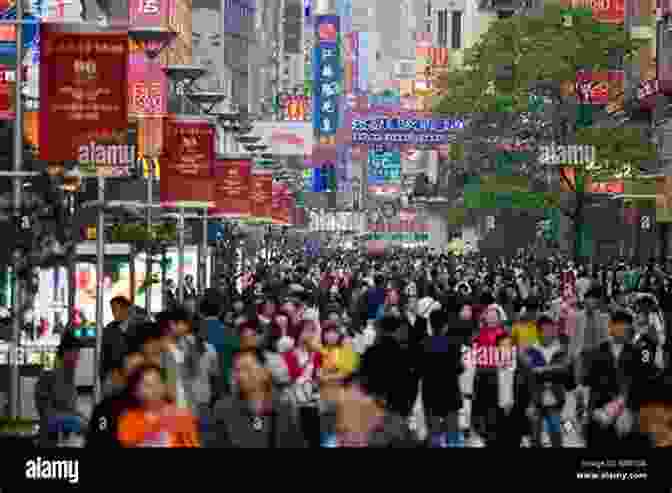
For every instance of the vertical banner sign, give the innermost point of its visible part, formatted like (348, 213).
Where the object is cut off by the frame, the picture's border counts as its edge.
(187, 165)
(276, 215)
(84, 98)
(328, 73)
(232, 187)
(147, 86)
(362, 62)
(262, 195)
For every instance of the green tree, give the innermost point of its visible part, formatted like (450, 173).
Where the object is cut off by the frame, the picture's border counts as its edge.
(509, 91)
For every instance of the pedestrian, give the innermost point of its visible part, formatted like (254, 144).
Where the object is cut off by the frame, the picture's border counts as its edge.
(103, 428)
(550, 375)
(151, 420)
(440, 367)
(254, 416)
(304, 364)
(610, 372)
(361, 417)
(115, 336)
(56, 397)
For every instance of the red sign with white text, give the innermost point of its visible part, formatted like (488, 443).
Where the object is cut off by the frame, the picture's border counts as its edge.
(84, 98)
(186, 174)
(261, 186)
(232, 187)
(147, 86)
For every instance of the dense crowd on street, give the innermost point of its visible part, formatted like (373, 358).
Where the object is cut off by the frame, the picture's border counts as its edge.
(343, 350)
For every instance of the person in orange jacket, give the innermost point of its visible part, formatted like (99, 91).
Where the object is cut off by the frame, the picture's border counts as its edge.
(152, 420)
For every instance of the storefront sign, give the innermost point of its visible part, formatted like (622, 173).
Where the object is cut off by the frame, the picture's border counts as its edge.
(286, 138)
(384, 168)
(335, 221)
(84, 92)
(600, 88)
(647, 92)
(616, 187)
(294, 107)
(611, 11)
(232, 187)
(189, 147)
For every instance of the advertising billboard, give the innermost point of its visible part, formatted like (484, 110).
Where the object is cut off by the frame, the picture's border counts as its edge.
(186, 175)
(371, 128)
(232, 187)
(295, 107)
(362, 64)
(384, 170)
(84, 98)
(286, 138)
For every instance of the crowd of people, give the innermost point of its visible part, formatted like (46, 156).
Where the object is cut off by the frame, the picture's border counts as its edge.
(342, 351)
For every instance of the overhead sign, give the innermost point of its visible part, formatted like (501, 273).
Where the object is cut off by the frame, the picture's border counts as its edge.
(286, 138)
(368, 129)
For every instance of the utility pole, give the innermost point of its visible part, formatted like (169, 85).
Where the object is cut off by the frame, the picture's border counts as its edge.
(100, 285)
(148, 218)
(17, 302)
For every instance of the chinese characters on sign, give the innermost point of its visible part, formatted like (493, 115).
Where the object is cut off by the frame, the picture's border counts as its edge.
(368, 129)
(327, 77)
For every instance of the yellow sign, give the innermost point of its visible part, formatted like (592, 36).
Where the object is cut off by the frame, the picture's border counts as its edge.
(147, 171)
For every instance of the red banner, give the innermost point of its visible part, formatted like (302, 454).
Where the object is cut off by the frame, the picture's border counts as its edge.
(186, 174)
(280, 204)
(147, 86)
(262, 194)
(84, 99)
(611, 11)
(232, 187)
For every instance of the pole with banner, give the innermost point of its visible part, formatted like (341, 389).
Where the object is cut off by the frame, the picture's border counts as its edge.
(100, 285)
(14, 383)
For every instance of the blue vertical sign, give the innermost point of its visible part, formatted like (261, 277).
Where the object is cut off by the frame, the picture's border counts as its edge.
(328, 75)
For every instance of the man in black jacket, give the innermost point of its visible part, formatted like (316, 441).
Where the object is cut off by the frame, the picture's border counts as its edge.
(115, 336)
(612, 371)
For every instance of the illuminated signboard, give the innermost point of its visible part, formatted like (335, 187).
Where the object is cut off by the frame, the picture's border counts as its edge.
(404, 130)
(335, 221)
(384, 168)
